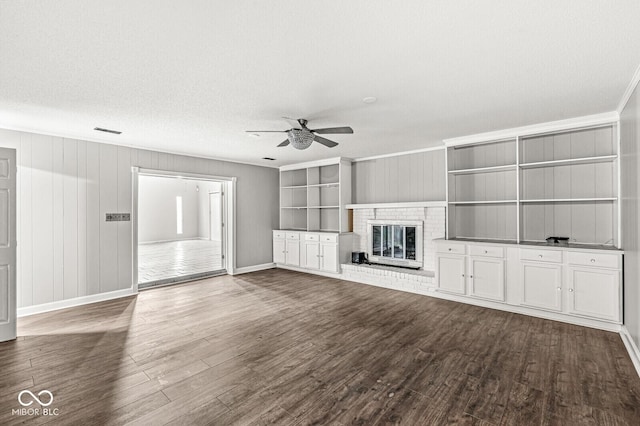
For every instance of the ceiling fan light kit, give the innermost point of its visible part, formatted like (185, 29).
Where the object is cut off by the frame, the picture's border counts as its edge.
(300, 139)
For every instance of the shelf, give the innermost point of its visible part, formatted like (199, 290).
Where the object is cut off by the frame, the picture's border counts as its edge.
(324, 185)
(584, 160)
(293, 187)
(410, 204)
(483, 169)
(294, 208)
(568, 200)
(324, 207)
(485, 202)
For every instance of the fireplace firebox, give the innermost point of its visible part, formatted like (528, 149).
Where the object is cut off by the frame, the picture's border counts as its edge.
(395, 242)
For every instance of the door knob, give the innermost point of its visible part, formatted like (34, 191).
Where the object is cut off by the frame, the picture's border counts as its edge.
(571, 290)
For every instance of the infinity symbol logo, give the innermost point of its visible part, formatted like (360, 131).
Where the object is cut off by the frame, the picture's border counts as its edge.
(26, 404)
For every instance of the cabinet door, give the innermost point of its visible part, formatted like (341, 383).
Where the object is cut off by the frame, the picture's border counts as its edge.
(279, 250)
(594, 293)
(293, 252)
(486, 278)
(451, 274)
(329, 257)
(311, 255)
(541, 285)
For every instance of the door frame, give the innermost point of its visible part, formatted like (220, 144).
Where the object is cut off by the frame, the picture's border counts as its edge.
(223, 220)
(229, 203)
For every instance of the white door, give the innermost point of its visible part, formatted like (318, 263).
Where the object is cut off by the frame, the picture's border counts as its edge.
(451, 274)
(329, 257)
(486, 278)
(7, 244)
(279, 250)
(216, 222)
(541, 285)
(594, 293)
(292, 252)
(311, 255)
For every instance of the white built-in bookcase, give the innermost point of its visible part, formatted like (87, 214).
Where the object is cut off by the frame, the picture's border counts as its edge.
(313, 196)
(532, 186)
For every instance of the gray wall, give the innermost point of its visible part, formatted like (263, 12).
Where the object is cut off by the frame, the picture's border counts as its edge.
(630, 164)
(65, 247)
(157, 213)
(403, 178)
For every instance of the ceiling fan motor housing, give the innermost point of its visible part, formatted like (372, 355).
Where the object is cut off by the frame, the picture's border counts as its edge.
(300, 138)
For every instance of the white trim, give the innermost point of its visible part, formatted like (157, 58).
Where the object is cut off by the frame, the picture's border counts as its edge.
(253, 268)
(397, 154)
(307, 164)
(632, 348)
(408, 205)
(179, 175)
(141, 148)
(551, 126)
(134, 227)
(76, 301)
(335, 275)
(432, 291)
(629, 91)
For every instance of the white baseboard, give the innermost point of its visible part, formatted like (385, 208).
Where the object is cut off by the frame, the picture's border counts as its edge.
(632, 348)
(311, 271)
(76, 301)
(253, 268)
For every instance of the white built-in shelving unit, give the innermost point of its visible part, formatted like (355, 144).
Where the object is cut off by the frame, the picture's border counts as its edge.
(535, 185)
(313, 196)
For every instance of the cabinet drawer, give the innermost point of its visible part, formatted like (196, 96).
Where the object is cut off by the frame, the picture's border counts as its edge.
(488, 251)
(541, 255)
(293, 235)
(452, 248)
(329, 238)
(593, 259)
(311, 237)
(278, 234)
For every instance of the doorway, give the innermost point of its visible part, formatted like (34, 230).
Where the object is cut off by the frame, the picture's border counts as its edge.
(180, 224)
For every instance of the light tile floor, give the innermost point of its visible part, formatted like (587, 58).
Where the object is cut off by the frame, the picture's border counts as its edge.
(174, 259)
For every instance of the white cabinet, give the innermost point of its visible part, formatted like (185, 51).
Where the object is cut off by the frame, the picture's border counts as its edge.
(486, 278)
(292, 252)
(541, 285)
(313, 251)
(311, 255)
(576, 284)
(594, 292)
(279, 250)
(286, 248)
(451, 272)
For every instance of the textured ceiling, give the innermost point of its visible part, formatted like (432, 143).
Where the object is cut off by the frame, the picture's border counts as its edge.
(190, 76)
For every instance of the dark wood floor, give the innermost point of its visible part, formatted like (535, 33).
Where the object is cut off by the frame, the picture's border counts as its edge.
(289, 348)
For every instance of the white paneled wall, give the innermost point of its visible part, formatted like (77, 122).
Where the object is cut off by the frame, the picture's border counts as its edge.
(66, 249)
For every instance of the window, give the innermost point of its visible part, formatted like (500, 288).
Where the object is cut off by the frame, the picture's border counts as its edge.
(179, 215)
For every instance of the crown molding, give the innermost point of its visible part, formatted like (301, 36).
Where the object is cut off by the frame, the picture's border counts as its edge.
(534, 129)
(397, 154)
(630, 88)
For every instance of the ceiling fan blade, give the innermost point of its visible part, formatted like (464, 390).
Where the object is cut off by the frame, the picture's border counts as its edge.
(284, 143)
(266, 131)
(324, 141)
(333, 130)
(295, 123)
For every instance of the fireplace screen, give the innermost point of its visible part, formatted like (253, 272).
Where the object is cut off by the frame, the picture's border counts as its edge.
(395, 244)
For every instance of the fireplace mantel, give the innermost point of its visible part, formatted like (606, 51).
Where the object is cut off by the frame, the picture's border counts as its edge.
(408, 205)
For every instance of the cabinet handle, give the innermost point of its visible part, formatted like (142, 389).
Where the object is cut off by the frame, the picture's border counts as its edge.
(485, 252)
(449, 248)
(540, 256)
(470, 276)
(571, 290)
(593, 261)
(559, 288)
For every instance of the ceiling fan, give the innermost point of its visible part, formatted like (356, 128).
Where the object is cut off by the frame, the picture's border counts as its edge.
(301, 137)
